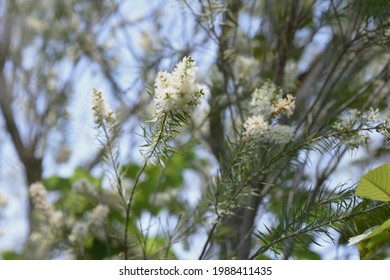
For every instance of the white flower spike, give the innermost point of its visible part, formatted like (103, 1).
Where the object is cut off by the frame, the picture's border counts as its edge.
(178, 91)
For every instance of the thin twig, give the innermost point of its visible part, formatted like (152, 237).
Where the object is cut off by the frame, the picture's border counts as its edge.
(210, 235)
(141, 171)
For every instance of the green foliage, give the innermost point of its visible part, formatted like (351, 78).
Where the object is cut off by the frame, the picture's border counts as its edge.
(305, 221)
(266, 200)
(378, 9)
(72, 203)
(12, 255)
(159, 181)
(375, 184)
(372, 240)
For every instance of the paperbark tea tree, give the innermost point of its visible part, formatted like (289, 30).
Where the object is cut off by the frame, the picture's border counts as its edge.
(252, 152)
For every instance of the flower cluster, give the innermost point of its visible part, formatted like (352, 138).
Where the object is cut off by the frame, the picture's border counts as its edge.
(79, 233)
(94, 224)
(102, 113)
(98, 216)
(246, 69)
(284, 106)
(178, 91)
(38, 194)
(97, 220)
(353, 126)
(51, 223)
(384, 129)
(266, 104)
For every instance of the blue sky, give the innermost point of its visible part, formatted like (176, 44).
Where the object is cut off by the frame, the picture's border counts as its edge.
(83, 135)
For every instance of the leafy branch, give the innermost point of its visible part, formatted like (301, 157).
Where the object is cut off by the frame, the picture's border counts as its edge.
(313, 227)
(140, 172)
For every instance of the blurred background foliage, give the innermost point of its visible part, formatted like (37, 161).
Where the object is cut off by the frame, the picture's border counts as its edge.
(217, 197)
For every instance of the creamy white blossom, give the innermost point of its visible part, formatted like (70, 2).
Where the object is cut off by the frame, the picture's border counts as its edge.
(246, 68)
(284, 106)
(42, 243)
(355, 139)
(255, 126)
(385, 131)
(79, 233)
(290, 75)
(101, 111)
(267, 102)
(371, 117)
(178, 91)
(97, 220)
(264, 97)
(98, 215)
(353, 126)
(51, 223)
(348, 120)
(280, 134)
(52, 218)
(38, 194)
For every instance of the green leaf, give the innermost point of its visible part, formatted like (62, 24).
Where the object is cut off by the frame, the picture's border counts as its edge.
(363, 220)
(370, 233)
(372, 239)
(366, 234)
(375, 184)
(11, 255)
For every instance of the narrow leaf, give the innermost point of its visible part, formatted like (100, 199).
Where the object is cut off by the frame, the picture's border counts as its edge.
(369, 233)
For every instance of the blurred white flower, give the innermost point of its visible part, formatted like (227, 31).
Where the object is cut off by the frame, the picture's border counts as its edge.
(97, 220)
(372, 116)
(290, 75)
(246, 69)
(54, 219)
(102, 113)
(98, 216)
(79, 233)
(280, 134)
(42, 242)
(38, 194)
(264, 97)
(255, 126)
(353, 126)
(266, 103)
(355, 139)
(347, 120)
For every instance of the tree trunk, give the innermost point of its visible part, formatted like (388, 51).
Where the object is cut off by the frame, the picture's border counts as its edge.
(33, 170)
